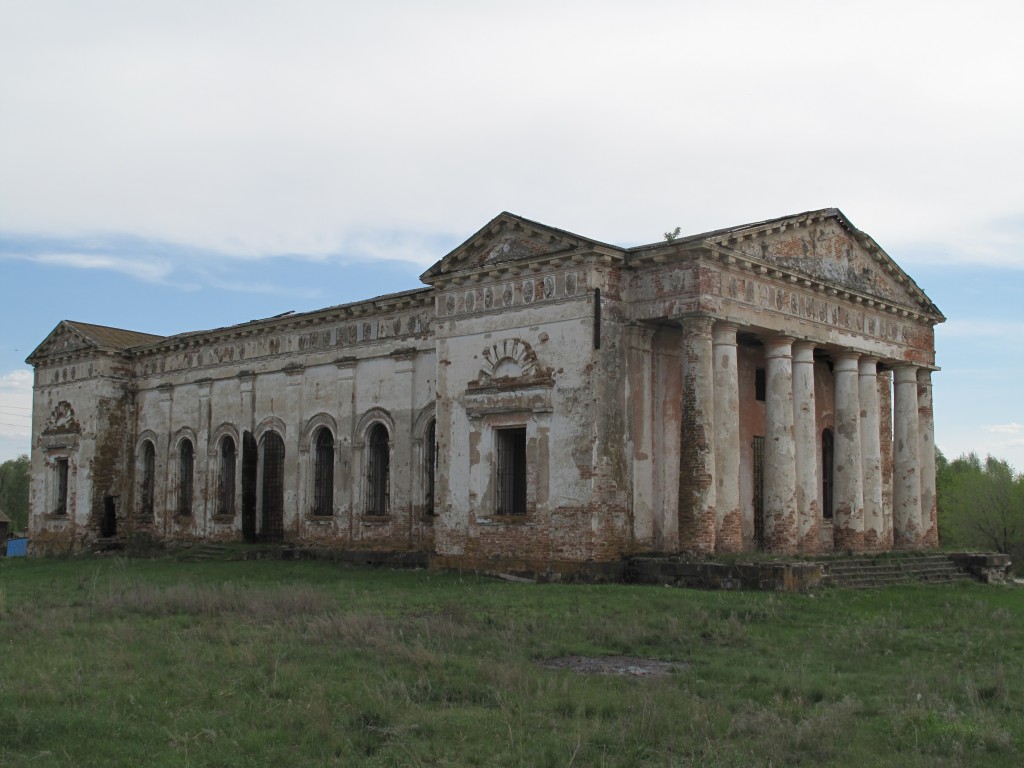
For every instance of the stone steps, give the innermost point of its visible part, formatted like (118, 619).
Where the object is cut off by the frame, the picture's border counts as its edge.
(208, 551)
(866, 572)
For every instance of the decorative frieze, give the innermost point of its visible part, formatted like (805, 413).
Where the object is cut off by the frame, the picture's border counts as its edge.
(502, 296)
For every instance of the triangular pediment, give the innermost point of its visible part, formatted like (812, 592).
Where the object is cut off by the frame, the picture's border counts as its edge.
(70, 338)
(507, 239)
(826, 248)
(63, 340)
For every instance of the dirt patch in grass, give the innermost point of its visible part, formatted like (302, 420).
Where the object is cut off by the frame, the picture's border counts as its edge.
(627, 666)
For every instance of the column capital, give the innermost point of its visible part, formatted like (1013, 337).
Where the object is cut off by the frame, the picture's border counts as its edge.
(803, 351)
(846, 360)
(868, 366)
(905, 374)
(724, 333)
(778, 346)
(697, 325)
(924, 375)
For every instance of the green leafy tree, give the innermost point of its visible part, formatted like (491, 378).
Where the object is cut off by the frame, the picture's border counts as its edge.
(981, 504)
(14, 482)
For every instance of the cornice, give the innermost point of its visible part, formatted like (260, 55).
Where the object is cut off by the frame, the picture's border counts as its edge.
(708, 251)
(583, 256)
(422, 298)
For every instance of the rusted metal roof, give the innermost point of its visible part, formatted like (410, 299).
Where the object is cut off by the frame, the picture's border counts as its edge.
(113, 338)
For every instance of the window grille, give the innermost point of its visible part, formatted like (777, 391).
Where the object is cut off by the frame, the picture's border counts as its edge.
(61, 502)
(431, 467)
(186, 465)
(511, 471)
(148, 479)
(759, 491)
(378, 470)
(827, 472)
(323, 480)
(273, 487)
(226, 488)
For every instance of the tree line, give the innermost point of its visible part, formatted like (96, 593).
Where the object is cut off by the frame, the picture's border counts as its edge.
(14, 491)
(981, 504)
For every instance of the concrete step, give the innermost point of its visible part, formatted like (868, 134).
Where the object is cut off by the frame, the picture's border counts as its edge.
(865, 572)
(207, 551)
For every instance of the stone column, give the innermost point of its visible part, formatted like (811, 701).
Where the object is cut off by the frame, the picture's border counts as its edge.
(906, 473)
(805, 428)
(204, 461)
(697, 516)
(848, 522)
(640, 407)
(926, 459)
(871, 454)
(345, 481)
(780, 515)
(729, 534)
(885, 439)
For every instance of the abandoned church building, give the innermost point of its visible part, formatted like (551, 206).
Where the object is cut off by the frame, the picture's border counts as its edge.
(545, 399)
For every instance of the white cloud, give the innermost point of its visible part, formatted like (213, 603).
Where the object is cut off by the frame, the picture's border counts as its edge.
(15, 413)
(256, 129)
(1006, 429)
(143, 269)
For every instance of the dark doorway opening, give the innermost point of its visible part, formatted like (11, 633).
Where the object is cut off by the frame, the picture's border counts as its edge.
(108, 523)
(827, 469)
(250, 469)
(273, 487)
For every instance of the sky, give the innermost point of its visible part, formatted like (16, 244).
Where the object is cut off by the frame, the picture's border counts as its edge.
(174, 166)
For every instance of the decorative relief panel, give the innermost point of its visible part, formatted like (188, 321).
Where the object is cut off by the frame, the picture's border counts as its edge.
(549, 286)
(810, 306)
(328, 338)
(497, 298)
(510, 361)
(62, 420)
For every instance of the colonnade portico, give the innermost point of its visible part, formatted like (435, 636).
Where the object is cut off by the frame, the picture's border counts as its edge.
(792, 513)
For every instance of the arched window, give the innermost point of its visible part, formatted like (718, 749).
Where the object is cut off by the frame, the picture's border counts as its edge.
(378, 470)
(226, 477)
(827, 477)
(186, 466)
(147, 479)
(430, 466)
(272, 487)
(323, 473)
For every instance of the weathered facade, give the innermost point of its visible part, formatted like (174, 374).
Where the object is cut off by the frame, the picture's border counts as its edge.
(547, 399)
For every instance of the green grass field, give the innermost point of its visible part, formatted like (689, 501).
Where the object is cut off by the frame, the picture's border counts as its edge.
(115, 662)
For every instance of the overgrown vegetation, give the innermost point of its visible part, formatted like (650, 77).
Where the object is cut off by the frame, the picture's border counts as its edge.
(14, 476)
(162, 663)
(981, 504)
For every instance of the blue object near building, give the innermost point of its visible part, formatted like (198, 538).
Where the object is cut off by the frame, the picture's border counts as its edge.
(17, 547)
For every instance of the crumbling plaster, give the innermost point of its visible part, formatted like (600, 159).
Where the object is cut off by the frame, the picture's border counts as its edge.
(630, 371)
